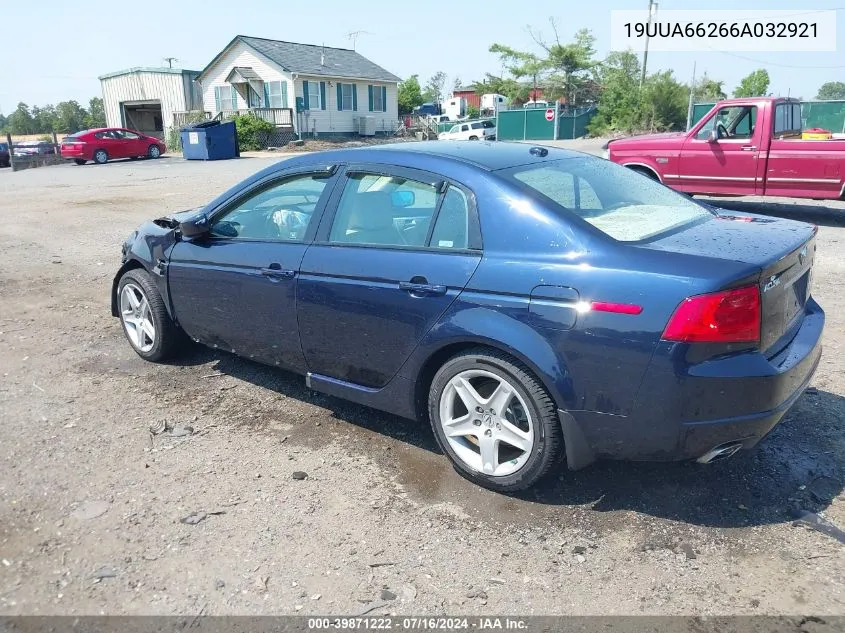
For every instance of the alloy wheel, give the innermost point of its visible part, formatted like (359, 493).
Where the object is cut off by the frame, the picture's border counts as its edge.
(137, 317)
(486, 422)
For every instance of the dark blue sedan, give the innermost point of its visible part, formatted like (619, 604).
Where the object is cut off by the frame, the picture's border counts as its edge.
(533, 304)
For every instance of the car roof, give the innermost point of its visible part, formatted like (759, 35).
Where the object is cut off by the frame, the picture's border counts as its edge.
(489, 156)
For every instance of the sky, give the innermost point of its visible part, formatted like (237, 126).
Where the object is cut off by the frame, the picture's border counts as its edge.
(75, 42)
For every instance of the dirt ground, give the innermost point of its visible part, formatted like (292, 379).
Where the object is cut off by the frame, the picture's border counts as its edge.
(91, 504)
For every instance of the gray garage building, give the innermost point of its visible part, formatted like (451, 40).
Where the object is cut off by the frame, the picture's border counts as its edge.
(145, 99)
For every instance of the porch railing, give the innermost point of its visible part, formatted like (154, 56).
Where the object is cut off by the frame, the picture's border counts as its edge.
(279, 117)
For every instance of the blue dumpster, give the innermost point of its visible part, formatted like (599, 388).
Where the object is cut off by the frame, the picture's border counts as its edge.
(210, 140)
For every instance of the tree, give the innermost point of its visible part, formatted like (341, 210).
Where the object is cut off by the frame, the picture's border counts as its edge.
(20, 121)
(96, 116)
(754, 85)
(70, 117)
(562, 69)
(410, 94)
(619, 107)
(522, 64)
(665, 102)
(434, 87)
(2, 123)
(456, 85)
(832, 90)
(508, 87)
(45, 118)
(707, 89)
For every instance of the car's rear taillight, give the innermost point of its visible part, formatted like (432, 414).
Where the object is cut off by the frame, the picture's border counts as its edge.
(728, 316)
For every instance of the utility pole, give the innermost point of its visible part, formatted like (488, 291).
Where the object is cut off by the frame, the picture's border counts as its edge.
(170, 61)
(652, 9)
(691, 97)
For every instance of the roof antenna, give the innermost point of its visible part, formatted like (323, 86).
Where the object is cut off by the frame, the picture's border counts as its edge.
(323, 55)
(170, 61)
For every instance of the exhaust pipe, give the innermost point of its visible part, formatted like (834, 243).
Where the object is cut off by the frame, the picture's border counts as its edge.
(722, 451)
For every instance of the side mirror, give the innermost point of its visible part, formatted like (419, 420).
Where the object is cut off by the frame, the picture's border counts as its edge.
(195, 227)
(402, 199)
(713, 136)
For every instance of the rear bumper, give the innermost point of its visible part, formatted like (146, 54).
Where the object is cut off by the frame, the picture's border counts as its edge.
(683, 411)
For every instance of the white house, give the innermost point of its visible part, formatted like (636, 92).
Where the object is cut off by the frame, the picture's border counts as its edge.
(327, 89)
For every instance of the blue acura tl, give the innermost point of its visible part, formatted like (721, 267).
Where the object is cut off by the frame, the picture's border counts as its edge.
(535, 305)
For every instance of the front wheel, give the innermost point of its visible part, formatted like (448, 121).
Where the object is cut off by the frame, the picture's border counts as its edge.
(146, 323)
(154, 152)
(494, 420)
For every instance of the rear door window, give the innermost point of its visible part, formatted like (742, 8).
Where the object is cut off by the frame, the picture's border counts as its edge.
(383, 210)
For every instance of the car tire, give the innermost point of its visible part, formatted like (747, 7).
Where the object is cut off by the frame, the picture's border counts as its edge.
(473, 138)
(79, 161)
(154, 152)
(529, 408)
(101, 157)
(140, 305)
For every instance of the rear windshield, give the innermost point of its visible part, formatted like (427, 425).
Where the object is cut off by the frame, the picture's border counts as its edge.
(621, 203)
(77, 134)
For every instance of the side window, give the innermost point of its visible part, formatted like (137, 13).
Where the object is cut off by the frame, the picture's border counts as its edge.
(451, 230)
(281, 211)
(128, 135)
(735, 122)
(787, 119)
(383, 210)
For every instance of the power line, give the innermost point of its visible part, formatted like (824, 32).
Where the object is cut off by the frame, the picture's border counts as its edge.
(765, 63)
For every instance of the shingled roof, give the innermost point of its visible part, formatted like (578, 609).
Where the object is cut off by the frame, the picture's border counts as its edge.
(310, 59)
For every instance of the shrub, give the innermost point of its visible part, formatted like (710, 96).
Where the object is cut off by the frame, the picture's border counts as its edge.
(473, 112)
(174, 137)
(252, 132)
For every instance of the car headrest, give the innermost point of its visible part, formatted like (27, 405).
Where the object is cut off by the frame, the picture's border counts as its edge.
(371, 210)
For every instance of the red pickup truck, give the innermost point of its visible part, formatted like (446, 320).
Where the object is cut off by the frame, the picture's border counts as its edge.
(742, 147)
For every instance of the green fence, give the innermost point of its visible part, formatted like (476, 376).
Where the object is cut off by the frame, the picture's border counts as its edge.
(574, 124)
(531, 125)
(829, 115)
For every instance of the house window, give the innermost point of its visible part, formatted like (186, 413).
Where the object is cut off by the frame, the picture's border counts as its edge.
(346, 97)
(225, 98)
(378, 101)
(314, 102)
(275, 95)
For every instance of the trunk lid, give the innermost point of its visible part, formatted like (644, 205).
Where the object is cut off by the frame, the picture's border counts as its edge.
(783, 250)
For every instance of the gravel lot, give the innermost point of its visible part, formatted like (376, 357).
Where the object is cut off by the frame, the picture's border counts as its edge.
(91, 504)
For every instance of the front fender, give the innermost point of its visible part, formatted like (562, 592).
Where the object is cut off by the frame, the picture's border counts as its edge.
(148, 248)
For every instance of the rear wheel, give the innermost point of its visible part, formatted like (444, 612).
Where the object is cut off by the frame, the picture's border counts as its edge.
(154, 152)
(79, 161)
(473, 138)
(494, 420)
(146, 323)
(101, 157)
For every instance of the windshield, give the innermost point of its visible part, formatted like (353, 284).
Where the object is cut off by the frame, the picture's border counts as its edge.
(621, 203)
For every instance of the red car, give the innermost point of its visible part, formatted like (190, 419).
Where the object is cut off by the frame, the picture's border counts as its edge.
(104, 144)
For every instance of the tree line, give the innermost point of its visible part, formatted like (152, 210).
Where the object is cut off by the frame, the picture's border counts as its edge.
(626, 99)
(66, 117)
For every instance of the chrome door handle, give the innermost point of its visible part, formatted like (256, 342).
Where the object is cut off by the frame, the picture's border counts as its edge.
(423, 289)
(749, 148)
(278, 273)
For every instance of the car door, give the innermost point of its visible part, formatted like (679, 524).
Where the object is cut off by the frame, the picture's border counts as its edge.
(236, 288)
(729, 164)
(394, 252)
(131, 143)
